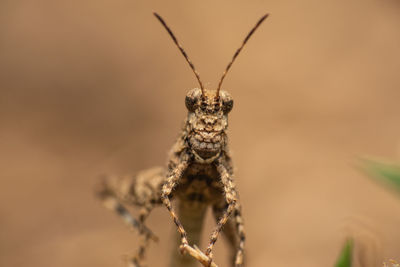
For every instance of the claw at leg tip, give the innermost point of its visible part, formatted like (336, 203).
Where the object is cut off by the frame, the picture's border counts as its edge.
(182, 248)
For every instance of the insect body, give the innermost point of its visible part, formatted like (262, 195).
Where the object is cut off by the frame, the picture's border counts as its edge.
(199, 174)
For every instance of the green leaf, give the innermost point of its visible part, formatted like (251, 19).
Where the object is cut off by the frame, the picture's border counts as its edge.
(387, 173)
(345, 256)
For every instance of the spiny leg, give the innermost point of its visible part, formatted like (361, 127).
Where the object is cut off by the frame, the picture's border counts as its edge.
(232, 231)
(230, 198)
(239, 260)
(167, 188)
(237, 219)
(229, 231)
(109, 193)
(144, 238)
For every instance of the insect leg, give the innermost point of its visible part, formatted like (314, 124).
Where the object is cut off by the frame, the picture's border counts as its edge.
(144, 238)
(230, 198)
(167, 188)
(233, 231)
(108, 194)
(143, 191)
(239, 261)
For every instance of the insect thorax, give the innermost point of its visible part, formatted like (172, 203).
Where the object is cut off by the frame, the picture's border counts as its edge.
(207, 123)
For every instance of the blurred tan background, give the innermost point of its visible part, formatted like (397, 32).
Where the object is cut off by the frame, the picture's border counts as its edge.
(97, 87)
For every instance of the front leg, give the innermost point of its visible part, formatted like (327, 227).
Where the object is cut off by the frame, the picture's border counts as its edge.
(230, 198)
(169, 185)
(233, 231)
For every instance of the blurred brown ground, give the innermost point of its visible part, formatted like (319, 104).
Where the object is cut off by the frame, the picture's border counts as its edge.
(96, 87)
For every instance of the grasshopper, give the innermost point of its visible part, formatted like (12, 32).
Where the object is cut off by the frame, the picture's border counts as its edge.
(199, 174)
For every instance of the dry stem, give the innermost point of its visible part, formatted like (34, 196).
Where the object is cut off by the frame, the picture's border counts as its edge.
(198, 255)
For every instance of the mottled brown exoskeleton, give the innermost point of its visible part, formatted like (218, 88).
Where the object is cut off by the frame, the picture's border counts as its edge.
(199, 174)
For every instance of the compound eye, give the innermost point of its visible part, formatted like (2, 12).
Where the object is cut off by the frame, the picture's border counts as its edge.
(191, 103)
(227, 105)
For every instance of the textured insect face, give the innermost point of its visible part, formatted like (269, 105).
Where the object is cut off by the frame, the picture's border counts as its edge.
(207, 122)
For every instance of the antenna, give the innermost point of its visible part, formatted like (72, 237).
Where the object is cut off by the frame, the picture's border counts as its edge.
(182, 50)
(238, 51)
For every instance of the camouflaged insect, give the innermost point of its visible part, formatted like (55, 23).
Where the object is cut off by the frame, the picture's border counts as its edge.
(199, 174)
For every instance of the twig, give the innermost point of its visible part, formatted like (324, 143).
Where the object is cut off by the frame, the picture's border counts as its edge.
(199, 255)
